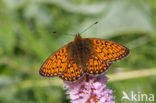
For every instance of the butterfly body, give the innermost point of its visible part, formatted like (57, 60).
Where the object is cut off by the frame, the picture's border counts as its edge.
(83, 55)
(80, 49)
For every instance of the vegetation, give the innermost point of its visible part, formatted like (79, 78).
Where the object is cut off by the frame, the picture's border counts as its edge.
(27, 38)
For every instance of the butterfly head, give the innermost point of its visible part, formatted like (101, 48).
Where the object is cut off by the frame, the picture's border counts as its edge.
(77, 37)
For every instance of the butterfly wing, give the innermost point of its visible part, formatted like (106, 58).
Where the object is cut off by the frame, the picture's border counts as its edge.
(55, 64)
(95, 65)
(108, 51)
(73, 71)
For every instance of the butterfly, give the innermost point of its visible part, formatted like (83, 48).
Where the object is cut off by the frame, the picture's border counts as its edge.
(83, 55)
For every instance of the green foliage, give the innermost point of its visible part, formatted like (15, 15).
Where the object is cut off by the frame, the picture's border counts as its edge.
(27, 39)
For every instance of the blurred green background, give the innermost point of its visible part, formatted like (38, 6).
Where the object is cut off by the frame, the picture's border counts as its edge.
(27, 38)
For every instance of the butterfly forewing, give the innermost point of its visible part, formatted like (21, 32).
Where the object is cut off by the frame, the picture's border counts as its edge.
(109, 51)
(55, 64)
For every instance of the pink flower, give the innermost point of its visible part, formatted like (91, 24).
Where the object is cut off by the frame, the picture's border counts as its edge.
(89, 89)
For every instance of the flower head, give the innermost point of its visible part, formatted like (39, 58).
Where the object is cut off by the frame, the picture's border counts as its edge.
(89, 89)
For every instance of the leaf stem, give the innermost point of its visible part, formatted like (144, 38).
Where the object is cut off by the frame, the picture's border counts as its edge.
(112, 77)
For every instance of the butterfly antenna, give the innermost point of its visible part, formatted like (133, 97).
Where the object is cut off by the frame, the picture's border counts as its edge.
(89, 27)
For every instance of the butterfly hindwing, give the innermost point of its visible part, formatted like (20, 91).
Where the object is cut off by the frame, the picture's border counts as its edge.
(109, 51)
(55, 64)
(95, 65)
(72, 72)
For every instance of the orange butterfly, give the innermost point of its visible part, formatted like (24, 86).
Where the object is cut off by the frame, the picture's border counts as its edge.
(83, 55)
